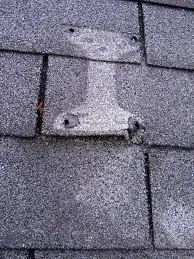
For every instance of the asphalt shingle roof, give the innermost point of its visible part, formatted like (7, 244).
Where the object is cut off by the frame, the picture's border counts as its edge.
(96, 196)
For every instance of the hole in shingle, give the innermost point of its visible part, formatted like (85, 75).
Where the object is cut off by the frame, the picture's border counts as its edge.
(71, 30)
(134, 38)
(66, 122)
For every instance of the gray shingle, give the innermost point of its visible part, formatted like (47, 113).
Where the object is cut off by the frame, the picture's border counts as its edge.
(169, 36)
(44, 27)
(114, 255)
(172, 179)
(19, 77)
(183, 3)
(171, 254)
(13, 254)
(72, 193)
(66, 88)
(161, 97)
(89, 255)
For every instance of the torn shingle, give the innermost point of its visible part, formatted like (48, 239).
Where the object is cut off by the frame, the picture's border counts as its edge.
(169, 36)
(72, 194)
(19, 77)
(172, 180)
(46, 27)
(162, 98)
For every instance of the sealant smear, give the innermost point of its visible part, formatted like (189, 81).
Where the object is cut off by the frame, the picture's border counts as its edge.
(31, 254)
(41, 95)
(141, 31)
(149, 196)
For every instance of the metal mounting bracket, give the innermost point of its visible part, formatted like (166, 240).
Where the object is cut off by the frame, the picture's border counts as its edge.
(100, 114)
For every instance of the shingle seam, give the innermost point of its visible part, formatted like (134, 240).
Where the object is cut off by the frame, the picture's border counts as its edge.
(142, 32)
(41, 95)
(21, 52)
(167, 5)
(52, 54)
(12, 249)
(149, 197)
(113, 249)
(31, 253)
(190, 70)
(174, 249)
(103, 138)
(170, 148)
(14, 136)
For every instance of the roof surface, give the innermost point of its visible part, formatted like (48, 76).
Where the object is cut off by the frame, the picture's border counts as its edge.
(96, 196)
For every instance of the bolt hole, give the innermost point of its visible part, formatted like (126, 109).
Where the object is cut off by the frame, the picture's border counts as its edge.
(134, 38)
(71, 30)
(66, 122)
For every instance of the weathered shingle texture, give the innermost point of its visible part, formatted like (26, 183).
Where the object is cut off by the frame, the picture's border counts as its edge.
(72, 194)
(113, 255)
(43, 26)
(13, 254)
(172, 183)
(96, 197)
(169, 36)
(19, 77)
(181, 3)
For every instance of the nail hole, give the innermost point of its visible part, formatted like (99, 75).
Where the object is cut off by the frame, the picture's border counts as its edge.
(137, 125)
(134, 38)
(71, 30)
(66, 122)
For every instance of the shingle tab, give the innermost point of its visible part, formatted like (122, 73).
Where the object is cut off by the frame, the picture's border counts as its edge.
(183, 3)
(44, 26)
(72, 194)
(161, 97)
(13, 254)
(172, 179)
(19, 83)
(169, 36)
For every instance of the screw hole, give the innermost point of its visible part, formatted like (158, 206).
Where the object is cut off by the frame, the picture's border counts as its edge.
(71, 30)
(134, 38)
(66, 122)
